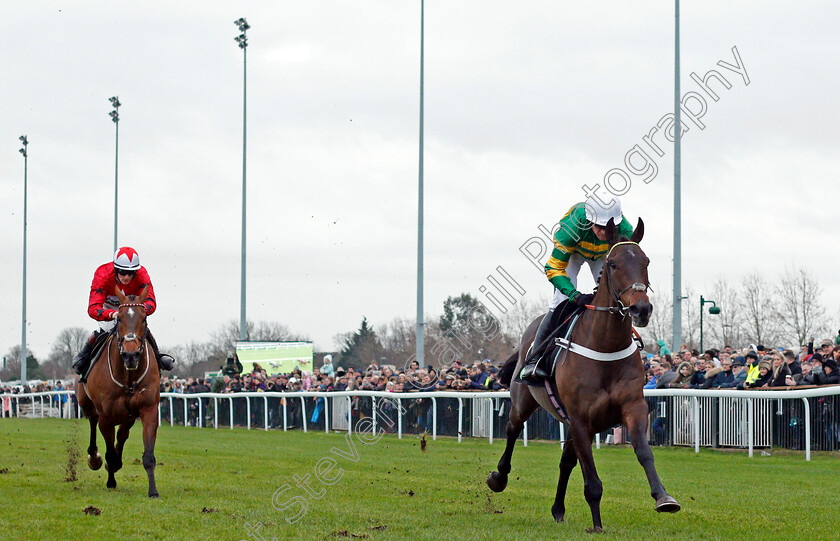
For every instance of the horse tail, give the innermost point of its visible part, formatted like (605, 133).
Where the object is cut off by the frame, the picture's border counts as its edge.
(506, 373)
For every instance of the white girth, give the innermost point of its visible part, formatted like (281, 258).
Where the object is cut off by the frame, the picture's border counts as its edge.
(597, 355)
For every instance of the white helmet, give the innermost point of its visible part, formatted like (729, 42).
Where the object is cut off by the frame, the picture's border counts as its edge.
(602, 206)
(127, 259)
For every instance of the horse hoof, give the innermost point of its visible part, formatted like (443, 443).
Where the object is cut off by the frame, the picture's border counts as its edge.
(111, 484)
(595, 529)
(154, 495)
(94, 462)
(558, 514)
(667, 504)
(497, 481)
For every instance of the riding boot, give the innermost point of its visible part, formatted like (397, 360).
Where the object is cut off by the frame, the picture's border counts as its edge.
(533, 370)
(165, 362)
(81, 361)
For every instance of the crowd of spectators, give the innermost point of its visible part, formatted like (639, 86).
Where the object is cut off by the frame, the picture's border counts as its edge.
(478, 376)
(754, 367)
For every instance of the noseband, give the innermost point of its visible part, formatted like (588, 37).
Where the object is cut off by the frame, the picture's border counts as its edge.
(619, 308)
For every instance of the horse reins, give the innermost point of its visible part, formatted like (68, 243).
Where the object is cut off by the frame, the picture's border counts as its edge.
(621, 309)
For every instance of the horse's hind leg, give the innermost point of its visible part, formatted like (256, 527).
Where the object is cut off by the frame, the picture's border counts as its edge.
(522, 406)
(94, 460)
(567, 463)
(592, 486)
(636, 420)
(112, 458)
(150, 425)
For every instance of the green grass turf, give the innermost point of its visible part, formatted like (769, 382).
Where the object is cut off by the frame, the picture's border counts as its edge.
(395, 491)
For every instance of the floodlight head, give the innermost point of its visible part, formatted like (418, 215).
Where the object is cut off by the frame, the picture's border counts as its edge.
(242, 24)
(714, 310)
(23, 139)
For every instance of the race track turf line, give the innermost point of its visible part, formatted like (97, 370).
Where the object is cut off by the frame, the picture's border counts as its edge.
(215, 482)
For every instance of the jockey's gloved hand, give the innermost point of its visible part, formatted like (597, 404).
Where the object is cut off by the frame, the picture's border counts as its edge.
(583, 299)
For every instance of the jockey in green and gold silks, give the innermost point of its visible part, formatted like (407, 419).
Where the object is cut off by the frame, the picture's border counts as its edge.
(575, 242)
(580, 237)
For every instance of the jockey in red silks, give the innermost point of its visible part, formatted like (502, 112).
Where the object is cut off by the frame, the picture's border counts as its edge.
(127, 274)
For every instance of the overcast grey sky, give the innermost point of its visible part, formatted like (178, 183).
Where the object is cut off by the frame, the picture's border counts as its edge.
(525, 103)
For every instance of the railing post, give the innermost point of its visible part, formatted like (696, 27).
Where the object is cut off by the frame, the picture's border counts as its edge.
(525, 434)
(248, 401)
(230, 405)
(490, 400)
(186, 416)
(434, 418)
(696, 407)
(349, 415)
(750, 425)
(216, 412)
(200, 421)
(171, 413)
(460, 418)
(373, 412)
(326, 415)
(303, 410)
(807, 429)
(598, 440)
(266, 412)
(285, 412)
(399, 418)
(562, 435)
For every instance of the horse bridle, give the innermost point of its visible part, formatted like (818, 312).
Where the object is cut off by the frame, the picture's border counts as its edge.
(130, 337)
(620, 309)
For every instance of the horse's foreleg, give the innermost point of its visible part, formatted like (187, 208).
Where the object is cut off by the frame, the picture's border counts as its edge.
(122, 435)
(567, 463)
(522, 406)
(592, 487)
(150, 425)
(94, 460)
(112, 458)
(636, 420)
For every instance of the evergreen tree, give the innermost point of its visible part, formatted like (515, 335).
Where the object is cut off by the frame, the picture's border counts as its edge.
(361, 347)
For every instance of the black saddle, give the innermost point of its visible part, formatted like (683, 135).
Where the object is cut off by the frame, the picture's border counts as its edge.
(98, 346)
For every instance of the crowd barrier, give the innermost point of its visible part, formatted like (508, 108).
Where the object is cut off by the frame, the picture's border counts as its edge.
(806, 419)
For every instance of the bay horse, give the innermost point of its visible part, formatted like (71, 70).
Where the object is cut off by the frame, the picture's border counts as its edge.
(596, 394)
(123, 384)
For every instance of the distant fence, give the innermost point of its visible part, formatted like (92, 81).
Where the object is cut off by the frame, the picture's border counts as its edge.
(807, 419)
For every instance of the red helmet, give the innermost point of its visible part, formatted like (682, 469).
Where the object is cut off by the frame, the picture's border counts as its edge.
(127, 259)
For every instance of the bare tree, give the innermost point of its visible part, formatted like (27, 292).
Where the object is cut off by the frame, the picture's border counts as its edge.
(68, 342)
(661, 324)
(691, 319)
(799, 308)
(399, 338)
(757, 316)
(522, 314)
(725, 328)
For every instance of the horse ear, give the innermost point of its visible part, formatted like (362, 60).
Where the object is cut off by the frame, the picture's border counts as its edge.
(120, 295)
(639, 232)
(144, 294)
(611, 231)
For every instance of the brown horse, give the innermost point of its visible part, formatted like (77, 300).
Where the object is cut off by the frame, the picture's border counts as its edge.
(596, 394)
(123, 385)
